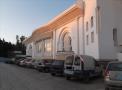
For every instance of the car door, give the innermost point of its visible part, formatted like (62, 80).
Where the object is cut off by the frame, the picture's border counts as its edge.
(69, 62)
(77, 64)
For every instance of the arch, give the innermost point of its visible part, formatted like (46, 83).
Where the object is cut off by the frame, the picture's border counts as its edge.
(30, 50)
(64, 41)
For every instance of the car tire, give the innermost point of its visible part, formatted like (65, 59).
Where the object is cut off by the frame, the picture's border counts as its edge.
(68, 77)
(40, 70)
(53, 74)
(46, 70)
(106, 88)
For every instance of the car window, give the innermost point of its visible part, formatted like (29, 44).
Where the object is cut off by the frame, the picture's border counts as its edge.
(69, 60)
(115, 67)
(77, 61)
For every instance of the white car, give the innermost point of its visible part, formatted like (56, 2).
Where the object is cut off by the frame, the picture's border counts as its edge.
(113, 76)
(22, 63)
(80, 66)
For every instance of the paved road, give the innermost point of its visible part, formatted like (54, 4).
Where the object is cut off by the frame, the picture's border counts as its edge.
(3, 59)
(13, 77)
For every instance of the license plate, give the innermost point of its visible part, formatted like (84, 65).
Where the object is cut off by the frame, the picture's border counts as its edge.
(68, 72)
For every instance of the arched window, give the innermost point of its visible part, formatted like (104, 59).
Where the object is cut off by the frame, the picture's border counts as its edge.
(30, 50)
(30, 47)
(67, 43)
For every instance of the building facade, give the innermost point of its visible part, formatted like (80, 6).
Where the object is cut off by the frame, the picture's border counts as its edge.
(89, 27)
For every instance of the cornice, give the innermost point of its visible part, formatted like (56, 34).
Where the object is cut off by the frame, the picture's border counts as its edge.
(67, 15)
(62, 19)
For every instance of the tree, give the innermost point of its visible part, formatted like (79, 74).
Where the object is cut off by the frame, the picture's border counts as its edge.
(22, 38)
(17, 39)
(19, 44)
(6, 47)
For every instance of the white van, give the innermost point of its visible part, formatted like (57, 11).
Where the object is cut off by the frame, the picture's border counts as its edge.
(80, 66)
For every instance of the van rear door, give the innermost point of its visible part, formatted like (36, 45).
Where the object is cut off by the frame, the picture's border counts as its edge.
(77, 64)
(69, 62)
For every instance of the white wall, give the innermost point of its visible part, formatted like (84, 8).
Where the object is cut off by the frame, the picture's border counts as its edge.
(81, 36)
(74, 35)
(117, 14)
(110, 11)
(90, 10)
(72, 28)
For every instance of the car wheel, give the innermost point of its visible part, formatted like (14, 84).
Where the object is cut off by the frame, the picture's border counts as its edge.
(46, 70)
(86, 80)
(106, 88)
(40, 70)
(53, 74)
(68, 77)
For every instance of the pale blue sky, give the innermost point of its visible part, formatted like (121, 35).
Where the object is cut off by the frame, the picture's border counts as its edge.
(22, 17)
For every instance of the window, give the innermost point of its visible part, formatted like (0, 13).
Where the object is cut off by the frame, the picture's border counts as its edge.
(92, 21)
(87, 26)
(48, 46)
(67, 42)
(37, 47)
(58, 62)
(115, 36)
(40, 46)
(30, 47)
(92, 37)
(77, 61)
(115, 67)
(30, 50)
(87, 40)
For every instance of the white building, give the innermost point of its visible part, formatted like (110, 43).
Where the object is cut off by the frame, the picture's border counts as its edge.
(89, 27)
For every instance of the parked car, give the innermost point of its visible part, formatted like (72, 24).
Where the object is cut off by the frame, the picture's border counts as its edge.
(29, 63)
(9, 61)
(44, 65)
(113, 76)
(18, 58)
(80, 66)
(25, 62)
(35, 64)
(22, 62)
(17, 62)
(57, 67)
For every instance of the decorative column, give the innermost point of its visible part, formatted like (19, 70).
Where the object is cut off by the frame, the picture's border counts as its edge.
(54, 44)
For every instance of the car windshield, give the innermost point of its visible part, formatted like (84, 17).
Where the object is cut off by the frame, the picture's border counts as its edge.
(58, 62)
(115, 67)
(69, 60)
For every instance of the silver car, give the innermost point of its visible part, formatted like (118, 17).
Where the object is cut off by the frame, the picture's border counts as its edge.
(113, 76)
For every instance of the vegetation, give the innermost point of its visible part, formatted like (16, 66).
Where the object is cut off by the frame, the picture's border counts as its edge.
(6, 48)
